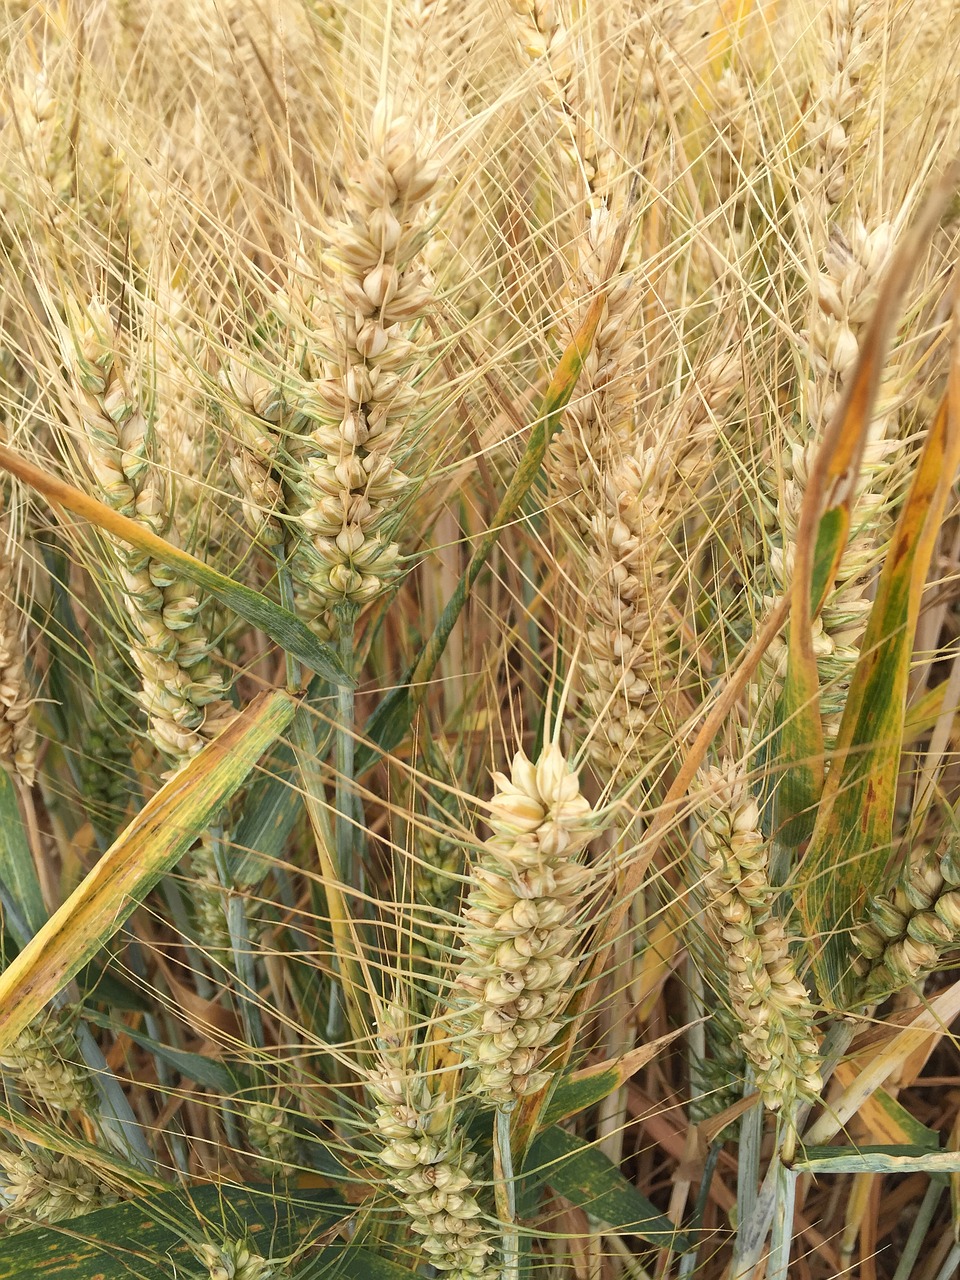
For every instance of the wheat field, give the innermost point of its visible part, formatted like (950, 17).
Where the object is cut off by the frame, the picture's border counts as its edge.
(479, 639)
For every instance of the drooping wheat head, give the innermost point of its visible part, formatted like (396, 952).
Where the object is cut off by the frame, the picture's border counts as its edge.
(41, 1186)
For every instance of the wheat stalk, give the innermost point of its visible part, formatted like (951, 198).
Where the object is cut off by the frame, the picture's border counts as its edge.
(18, 738)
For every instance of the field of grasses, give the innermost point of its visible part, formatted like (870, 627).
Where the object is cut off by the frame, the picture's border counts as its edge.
(479, 639)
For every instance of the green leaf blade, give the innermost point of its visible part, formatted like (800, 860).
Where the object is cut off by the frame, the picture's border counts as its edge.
(391, 718)
(583, 1175)
(282, 626)
(147, 1238)
(822, 533)
(853, 837)
(17, 869)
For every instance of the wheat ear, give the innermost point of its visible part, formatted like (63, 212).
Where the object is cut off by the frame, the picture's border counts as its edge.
(349, 484)
(845, 295)
(183, 690)
(40, 1186)
(908, 930)
(427, 1157)
(519, 926)
(768, 999)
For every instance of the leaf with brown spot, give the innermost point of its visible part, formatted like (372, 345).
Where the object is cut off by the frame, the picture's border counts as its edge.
(853, 836)
(822, 532)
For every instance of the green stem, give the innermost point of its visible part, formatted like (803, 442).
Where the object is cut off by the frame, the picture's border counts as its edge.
(748, 1162)
(285, 581)
(752, 1234)
(349, 957)
(950, 1263)
(919, 1232)
(331, 851)
(349, 864)
(238, 927)
(336, 855)
(192, 954)
(117, 1121)
(781, 1237)
(507, 1197)
(687, 1265)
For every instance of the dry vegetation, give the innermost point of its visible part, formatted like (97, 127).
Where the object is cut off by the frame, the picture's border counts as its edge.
(428, 844)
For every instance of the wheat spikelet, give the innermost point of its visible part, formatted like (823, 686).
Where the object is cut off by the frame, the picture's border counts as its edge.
(37, 167)
(434, 875)
(104, 765)
(38, 1059)
(427, 31)
(769, 1000)
(598, 420)
(630, 670)
(908, 930)
(544, 37)
(846, 291)
(236, 1260)
(183, 691)
(428, 1158)
(734, 147)
(268, 1132)
(596, 122)
(63, 154)
(847, 52)
(349, 484)
(717, 1079)
(845, 247)
(41, 1186)
(177, 386)
(255, 408)
(519, 926)
(658, 61)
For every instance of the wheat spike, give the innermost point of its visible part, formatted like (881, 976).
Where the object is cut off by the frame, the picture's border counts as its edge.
(771, 1003)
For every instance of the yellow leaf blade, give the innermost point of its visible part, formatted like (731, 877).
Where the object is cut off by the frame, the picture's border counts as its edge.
(153, 842)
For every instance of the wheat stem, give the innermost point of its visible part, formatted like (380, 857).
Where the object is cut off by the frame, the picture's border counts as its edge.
(349, 864)
(506, 1194)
